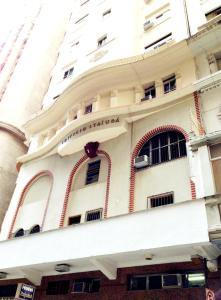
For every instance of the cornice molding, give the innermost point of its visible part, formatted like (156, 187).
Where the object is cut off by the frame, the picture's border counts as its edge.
(91, 79)
(18, 134)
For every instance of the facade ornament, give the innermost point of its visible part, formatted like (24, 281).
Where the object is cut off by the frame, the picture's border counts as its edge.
(91, 149)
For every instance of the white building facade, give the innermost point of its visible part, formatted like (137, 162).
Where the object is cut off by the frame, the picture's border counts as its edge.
(119, 193)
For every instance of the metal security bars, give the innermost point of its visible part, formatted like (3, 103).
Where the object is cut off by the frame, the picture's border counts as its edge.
(164, 147)
(93, 215)
(93, 172)
(160, 200)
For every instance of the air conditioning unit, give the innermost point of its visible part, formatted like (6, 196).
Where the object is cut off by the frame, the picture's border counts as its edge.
(148, 24)
(172, 281)
(141, 161)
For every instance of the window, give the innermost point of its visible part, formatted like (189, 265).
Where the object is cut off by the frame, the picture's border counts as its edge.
(160, 200)
(216, 12)
(107, 13)
(84, 2)
(94, 215)
(8, 290)
(153, 282)
(74, 220)
(88, 109)
(102, 41)
(81, 19)
(149, 93)
(93, 172)
(58, 287)
(86, 285)
(169, 84)
(164, 147)
(160, 42)
(68, 73)
(35, 229)
(19, 232)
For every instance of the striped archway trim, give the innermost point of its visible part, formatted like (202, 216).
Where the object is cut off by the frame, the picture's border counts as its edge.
(22, 197)
(137, 148)
(71, 178)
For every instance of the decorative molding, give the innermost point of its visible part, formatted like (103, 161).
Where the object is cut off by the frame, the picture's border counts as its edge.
(13, 131)
(137, 148)
(198, 113)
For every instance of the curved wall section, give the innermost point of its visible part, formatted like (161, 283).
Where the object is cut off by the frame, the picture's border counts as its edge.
(33, 203)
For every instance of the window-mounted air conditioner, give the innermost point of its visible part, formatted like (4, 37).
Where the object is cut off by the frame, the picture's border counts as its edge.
(172, 281)
(141, 161)
(148, 24)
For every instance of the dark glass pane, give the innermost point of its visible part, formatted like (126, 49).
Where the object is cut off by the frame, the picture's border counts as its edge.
(155, 282)
(95, 286)
(164, 154)
(35, 229)
(58, 287)
(138, 283)
(155, 156)
(20, 232)
(155, 141)
(173, 137)
(145, 149)
(174, 151)
(163, 139)
(166, 87)
(173, 84)
(8, 290)
(182, 146)
(169, 280)
(74, 220)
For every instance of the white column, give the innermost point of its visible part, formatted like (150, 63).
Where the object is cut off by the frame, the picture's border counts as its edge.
(205, 172)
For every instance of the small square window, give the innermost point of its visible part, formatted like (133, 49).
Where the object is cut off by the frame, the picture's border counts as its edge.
(149, 93)
(88, 109)
(169, 84)
(74, 220)
(93, 172)
(102, 41)
(68, 73)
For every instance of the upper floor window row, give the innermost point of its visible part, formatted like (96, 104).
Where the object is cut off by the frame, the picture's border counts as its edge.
(169, 85)
(164, 147)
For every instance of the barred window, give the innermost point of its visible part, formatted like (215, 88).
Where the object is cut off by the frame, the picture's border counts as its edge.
(93, 172)
(164, 147)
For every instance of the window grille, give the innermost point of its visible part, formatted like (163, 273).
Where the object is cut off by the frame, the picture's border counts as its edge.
(164, 147)
(93, 172)
(93, 215)
(161, 200)
(35, 229)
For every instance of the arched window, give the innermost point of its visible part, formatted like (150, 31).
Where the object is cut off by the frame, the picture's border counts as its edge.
(19, 232)
(164, 147)
(35, 229)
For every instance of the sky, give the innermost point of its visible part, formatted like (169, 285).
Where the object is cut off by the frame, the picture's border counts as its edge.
(11, 13)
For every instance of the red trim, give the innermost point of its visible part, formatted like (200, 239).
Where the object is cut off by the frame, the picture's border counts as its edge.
(139, 145)
(198, 113)
(71, 178)
(25, 190)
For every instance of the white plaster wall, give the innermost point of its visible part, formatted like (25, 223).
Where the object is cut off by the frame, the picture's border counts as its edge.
(32, 209)
(170, 176)
(211, 104)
